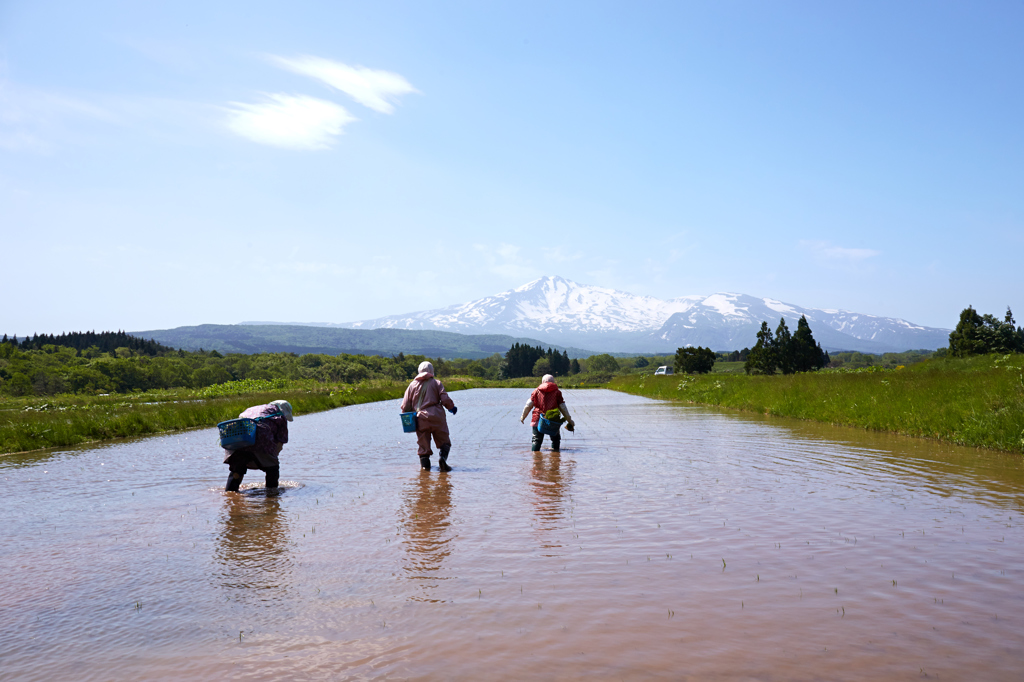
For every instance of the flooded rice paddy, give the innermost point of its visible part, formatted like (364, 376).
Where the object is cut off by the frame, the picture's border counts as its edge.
(664, 541)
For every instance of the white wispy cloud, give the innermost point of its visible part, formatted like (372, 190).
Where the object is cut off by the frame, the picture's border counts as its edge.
(372, 88)
(503, 260)
(290, 121)
(32, 120)
(828, 251)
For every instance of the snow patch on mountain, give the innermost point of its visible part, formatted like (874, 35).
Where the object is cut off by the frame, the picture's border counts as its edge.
(561, 311)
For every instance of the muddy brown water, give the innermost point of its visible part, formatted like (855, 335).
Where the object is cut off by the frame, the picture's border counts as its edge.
(664, 541)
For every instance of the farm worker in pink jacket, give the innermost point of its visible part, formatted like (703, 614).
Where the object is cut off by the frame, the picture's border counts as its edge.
(271, 435)
(547, 400)
(426, 395)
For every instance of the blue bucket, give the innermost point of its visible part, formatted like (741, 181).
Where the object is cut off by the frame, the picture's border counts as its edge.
(237, 433)
(545, 425)
(409, 422)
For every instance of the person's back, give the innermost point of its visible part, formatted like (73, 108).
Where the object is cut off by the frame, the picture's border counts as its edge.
(271, 435)
(426, 396)
(546, 401)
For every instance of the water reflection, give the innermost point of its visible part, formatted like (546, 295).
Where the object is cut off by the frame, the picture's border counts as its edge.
(549, 482)
(870, 556)
(427, 521)
(942, 469)
(253, 553)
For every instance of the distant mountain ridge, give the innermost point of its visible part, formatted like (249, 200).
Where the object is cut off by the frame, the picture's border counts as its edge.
(560, 311)
(300, 339)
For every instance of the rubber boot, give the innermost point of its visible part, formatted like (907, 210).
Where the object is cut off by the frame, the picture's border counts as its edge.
(538, 439)
(273, 474)
(234, 481)
(442, 457)
(425, 462)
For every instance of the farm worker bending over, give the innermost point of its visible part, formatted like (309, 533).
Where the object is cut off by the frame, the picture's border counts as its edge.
(547, 400)
(426, 395)
(271, 435)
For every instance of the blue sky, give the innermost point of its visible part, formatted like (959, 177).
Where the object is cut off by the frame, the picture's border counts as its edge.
(164, 164)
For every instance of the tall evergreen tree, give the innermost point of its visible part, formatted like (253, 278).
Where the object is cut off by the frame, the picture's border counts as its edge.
(783, 347)
(761, 358)
(966, 340)
(807, 355)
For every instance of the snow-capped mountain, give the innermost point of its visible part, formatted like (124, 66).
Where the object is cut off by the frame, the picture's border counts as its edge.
(723, 321)
(561, 311)
(551, 304)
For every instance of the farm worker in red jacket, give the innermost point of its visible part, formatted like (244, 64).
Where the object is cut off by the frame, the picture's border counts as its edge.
(271, 435)
(426, 395)
(547, 400)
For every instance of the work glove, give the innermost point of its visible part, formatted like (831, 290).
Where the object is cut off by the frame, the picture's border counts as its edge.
(570, 426)
(454, 409)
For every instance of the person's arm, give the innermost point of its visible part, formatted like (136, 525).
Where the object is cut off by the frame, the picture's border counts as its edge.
(444, 399)
(407, 400)
(526, 410)
(562, 408)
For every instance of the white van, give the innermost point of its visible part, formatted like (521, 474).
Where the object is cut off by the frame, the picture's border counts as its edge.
(663, 370)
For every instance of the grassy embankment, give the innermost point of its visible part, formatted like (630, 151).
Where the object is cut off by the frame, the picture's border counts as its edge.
(976, 401)
(58, 421)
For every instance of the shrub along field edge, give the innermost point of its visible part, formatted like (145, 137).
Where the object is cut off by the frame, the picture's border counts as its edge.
(977, 402)
(28, 424)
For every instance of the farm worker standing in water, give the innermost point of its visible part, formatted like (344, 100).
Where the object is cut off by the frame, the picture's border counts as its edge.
(271, 435)
(426, 395)
(546, 400)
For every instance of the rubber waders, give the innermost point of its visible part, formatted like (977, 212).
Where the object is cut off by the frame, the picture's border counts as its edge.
(442, 457)
(234, 480)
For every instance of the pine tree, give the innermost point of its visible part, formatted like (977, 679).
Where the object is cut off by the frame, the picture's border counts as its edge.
(807, 355)
(574, 368)
(784, 347)
(761, 358)
(966, 339)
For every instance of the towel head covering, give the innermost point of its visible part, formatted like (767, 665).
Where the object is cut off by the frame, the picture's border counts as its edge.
(547, 378)
(426, 367)
(284, 407)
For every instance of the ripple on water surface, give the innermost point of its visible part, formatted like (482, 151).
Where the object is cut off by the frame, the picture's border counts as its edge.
(663, 540)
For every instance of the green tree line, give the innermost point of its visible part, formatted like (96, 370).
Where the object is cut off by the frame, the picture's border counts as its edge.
(52, 369)
(785, 352)
(522, 360)
(697, 360)
(104, 342)
(981, 334)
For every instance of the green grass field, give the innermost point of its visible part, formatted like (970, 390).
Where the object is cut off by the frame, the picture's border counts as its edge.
(728, 368)
(977, 401)
(59, 421)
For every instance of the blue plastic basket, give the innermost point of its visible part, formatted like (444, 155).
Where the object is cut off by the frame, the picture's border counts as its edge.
(409, 422)
(548, 426)
(237, 433)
